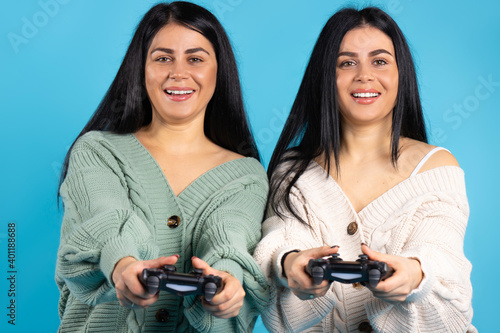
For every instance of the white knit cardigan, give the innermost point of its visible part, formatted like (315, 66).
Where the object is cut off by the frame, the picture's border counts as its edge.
(423, 217)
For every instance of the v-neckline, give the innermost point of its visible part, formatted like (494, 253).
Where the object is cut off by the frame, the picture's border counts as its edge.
(165, 179)
(375, 201)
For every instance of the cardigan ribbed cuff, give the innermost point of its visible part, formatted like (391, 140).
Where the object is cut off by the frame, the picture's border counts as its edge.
(278, 269)
(115, 249)
(425, 286)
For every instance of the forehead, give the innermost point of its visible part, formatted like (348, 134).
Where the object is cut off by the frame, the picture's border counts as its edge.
(366, 38)
(178, 37)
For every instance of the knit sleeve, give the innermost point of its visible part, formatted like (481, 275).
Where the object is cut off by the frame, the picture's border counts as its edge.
(442, 302)
(99, 225)
(225, 237)
(286, 312)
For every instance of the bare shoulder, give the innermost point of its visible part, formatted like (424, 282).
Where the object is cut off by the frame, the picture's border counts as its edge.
(439, 159)
(231, 155)
(225, 155)
(414, 152)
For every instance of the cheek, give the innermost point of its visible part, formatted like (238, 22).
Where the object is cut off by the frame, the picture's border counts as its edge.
(342, 91)
(395, 87)
(343, 83)
(208, 79)
(149, 79)
(155, 75)
(213, 76)
(395, 81)
(390, 84)
(343, 100)
(213, 83)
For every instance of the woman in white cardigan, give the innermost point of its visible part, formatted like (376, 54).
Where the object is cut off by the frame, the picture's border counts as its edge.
(353, 173)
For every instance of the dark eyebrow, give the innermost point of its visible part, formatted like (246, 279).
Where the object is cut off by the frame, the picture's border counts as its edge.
(377, 52)
(348, 54)
(161, 49)
(371, 54)
(188, 51)
(197, 49)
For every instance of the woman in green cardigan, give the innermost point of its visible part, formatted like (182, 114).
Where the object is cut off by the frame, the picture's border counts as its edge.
(166, 172)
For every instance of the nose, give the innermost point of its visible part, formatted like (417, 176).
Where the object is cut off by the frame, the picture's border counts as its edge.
(364, 73)
(178, 72)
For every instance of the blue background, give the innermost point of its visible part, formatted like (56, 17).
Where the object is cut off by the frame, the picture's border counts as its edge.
(57, 61)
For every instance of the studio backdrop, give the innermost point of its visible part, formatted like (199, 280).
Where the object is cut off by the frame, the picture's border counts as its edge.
(58, 57)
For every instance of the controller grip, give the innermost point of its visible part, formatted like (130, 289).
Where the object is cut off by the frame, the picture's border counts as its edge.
(388, 273)
(374, 277)
(151, 282)
(209, 291)
(381, 274)
(318, 274)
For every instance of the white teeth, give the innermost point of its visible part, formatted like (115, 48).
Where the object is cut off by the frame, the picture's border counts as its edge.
(361, 95)
(179, 92)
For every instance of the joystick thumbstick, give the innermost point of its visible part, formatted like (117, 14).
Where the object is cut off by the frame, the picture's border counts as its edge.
(374, 277)
(152, 282)
(210, 291)
(318, 274)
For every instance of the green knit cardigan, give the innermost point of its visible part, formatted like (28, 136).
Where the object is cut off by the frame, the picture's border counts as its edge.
(116, 204)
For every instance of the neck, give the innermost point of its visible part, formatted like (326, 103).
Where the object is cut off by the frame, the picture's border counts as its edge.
(175, 139)
(362, 143)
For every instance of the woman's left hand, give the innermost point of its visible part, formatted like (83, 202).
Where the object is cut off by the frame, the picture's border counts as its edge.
(406, 277)
(228, 302)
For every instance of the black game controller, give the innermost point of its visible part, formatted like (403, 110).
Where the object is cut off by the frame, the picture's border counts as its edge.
(362, 270)
(181, 284)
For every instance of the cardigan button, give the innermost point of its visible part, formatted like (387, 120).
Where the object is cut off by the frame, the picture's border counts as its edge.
(162, 316)
(357, 285)
(352, 228)
(173, 221)
(365, 327)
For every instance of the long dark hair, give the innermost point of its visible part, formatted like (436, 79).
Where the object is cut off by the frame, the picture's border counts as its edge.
(126, 108)
(313, 126)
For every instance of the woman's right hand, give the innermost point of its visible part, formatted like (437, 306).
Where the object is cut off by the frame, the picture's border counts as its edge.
(299, 281)
(129, 289)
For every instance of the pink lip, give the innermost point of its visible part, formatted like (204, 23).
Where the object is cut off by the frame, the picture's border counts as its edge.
(178, 98)
(365, 100)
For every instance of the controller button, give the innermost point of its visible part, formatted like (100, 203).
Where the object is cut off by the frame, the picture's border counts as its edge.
(170, 269)
(162, 316)
(352, 228)
(174, 221)
(363, 257)
(365, 327)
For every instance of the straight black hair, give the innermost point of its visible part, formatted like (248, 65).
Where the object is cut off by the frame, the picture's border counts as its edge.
(126, 108)
(313, 126)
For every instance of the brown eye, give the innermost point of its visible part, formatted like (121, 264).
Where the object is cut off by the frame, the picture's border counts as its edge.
(347, 63)
(380, 62)
(163, 59)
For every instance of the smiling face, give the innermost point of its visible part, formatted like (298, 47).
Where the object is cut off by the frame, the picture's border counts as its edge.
(180, 74)
(367, 76)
